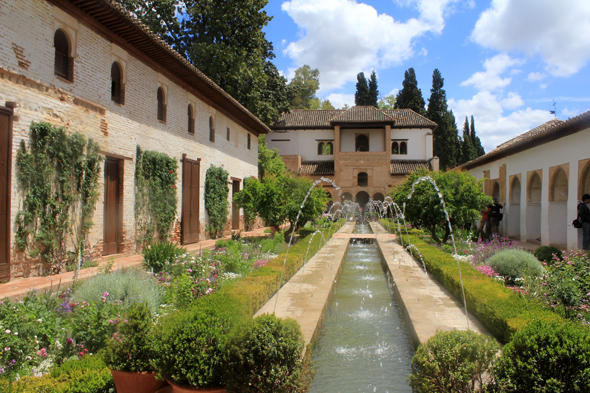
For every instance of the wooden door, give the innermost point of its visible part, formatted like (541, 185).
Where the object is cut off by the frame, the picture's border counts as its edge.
(5, 167)
(235, 211)
(190, 201)
(111, 206)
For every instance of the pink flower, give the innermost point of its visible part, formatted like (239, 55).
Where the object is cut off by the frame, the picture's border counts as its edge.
(7, 349)
(42, 352)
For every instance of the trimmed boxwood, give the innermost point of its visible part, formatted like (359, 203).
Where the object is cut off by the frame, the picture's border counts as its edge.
(545, 357)
(500, 310)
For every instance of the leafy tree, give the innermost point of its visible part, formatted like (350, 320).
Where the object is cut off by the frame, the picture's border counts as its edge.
(445, 138)
(320, 104)
(373, 91)
(269, 160)
(479, 150)
(278, 198)
(304, 84)
(461, 192)
(468, 152)
(387, 102)
(362, 96)
(223, 39)
(410, 96)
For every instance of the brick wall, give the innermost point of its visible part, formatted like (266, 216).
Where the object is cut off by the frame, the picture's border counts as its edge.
(85, 106)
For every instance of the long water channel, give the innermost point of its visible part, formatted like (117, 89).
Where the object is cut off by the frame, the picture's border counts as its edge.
(363, 345)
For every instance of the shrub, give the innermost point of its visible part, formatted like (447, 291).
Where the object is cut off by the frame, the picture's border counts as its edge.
(131, 348)
(216, 203)
(545, 357)
(88, 375)
(546, 253)
(158, 255)
(192, 346)
(265, 357)
(453, 361)
(484, 249)
(132, 285)
(515, 263)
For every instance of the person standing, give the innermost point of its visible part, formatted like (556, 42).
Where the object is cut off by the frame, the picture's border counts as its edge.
(484, 221)
(584, 217)
(496, 216)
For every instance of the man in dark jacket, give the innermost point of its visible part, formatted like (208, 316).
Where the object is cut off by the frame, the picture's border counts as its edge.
(495, 216)
(584, 217)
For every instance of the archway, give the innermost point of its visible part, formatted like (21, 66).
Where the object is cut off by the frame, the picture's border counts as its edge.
(362, 198)
(558, 208)
(585, 181)
(533, 208)
(378, 197)
(347, 196)
(514, 208)
(496, 190)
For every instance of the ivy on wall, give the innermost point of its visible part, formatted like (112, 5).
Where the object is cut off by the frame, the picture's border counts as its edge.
(58, 178)
(216, 203)
(155, 195)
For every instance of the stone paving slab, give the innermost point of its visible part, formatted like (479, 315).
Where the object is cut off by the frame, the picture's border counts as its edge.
(305, 297)
(427, 305)
(17, 289)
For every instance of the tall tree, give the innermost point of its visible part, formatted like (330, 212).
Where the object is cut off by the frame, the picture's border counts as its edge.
(223, 39)
(304, 84)
(362, 96)
(479, 150)
(373, 91)
(410, 96)
(445, 138)
(468, 152)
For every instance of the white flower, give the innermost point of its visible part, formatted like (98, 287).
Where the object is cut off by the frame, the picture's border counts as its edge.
(39, 320)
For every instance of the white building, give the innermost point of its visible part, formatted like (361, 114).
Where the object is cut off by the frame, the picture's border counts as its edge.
(93, 67)
(539, 177)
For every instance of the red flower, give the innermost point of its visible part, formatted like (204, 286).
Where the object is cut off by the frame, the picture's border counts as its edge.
(173, 186)
(170, 171)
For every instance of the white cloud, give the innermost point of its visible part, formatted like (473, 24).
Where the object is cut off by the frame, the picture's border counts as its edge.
(536, 76)
(490, 78)
(513, 101)
(492, 127)
(342, 37)
(555, 30)
(543, 86)
(570, 112)
(339, 99)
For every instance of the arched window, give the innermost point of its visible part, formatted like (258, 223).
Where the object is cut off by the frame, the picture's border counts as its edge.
(363, 179)
(161, 104)
(395, 148)
(362, 143)
(320, 148)
(191, 119)
(63, 63)
(559, 188)
(403, 148)
(211, 129)
(116, 83)
(329, 148)
(249, 141)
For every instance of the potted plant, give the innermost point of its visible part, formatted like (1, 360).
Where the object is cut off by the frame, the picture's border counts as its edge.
(130, 352)
(192, 349)
(265, 355)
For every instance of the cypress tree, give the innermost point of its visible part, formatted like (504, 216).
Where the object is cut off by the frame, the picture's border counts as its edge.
(362, 96)
(373, 91)
(445, 136)
(468, 152)
(475, 141)
(410, 96)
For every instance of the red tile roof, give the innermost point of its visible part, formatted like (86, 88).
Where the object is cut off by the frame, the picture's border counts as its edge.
(405, 167)
(317, 168)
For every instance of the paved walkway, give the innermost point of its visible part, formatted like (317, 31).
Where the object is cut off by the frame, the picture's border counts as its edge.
(307, 294)
(427, 305)
(19, 288)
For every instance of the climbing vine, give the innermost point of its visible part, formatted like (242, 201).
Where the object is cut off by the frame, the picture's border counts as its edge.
(216, 203)
(155, 195)
(58, 178)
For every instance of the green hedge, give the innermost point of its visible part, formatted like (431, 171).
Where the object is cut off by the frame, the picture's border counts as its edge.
(89, 375)
(394, 228)
(256, 289)
(502, 311)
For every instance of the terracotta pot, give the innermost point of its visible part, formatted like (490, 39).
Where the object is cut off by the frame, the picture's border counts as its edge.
(189, 389)
(131, 382)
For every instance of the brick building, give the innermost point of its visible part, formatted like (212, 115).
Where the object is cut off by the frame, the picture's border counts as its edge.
(92, 66)
(363, 149)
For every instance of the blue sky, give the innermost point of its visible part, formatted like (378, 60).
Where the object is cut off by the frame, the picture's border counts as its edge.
(503, 61)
